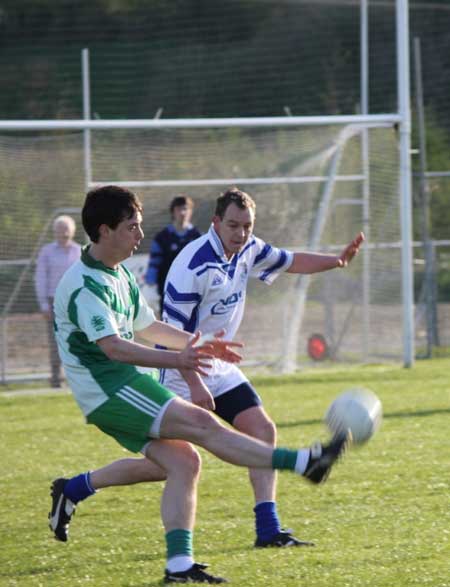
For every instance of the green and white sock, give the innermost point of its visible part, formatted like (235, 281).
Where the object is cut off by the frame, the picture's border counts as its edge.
(292, 460)
(179, 550)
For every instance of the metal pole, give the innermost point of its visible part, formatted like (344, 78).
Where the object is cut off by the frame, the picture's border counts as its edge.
(429, 286)
(366, 183)
(372, 120)
(403, 88)
(86, 116)
(4, 355)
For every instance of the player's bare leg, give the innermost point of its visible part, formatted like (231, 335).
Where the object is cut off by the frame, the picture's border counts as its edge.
(188, 422)
(184, 420)
(255, 422)
(127, 472)
(182, 463)
(65, 495)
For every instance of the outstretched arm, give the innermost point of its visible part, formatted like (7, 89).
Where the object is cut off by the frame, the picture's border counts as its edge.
(317, 262)
(127, 351)
(174, 338)
(166, 335)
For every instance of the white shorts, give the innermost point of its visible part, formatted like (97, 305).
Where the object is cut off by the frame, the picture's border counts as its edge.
(222, 378)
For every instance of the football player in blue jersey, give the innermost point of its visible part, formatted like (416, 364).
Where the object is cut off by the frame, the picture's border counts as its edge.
(206, 289)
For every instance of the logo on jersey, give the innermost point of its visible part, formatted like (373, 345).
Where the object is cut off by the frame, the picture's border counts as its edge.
(98, 322)
(126, 334)
(227, 304)
(218, 280)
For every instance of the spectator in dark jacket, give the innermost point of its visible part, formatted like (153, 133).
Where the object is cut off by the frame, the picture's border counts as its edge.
(168, 243)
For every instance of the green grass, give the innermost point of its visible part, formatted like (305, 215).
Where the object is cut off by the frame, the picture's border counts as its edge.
(383, 518)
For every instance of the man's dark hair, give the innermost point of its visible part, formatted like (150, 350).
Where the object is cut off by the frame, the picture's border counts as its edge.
(181, 201)
(108, 205)
(233, 196)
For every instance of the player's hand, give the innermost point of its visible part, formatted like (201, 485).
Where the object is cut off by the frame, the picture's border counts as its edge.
(195, 357)
(201, 396)
(219, 348)
(351, 250)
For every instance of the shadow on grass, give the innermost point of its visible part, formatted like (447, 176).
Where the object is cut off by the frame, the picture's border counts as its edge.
(393, 415)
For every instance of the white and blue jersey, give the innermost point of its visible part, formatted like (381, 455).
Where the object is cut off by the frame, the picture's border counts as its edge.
(206, 291)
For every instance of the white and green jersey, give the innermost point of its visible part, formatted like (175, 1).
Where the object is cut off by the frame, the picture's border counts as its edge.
(93, 301)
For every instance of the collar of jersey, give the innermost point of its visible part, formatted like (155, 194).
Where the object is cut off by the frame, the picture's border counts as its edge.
(94, 264)
(217, 245)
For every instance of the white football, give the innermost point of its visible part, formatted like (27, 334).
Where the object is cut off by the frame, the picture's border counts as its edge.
(357, 409)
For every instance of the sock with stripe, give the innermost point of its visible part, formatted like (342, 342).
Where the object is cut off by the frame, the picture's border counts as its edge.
(266, 520)
(292, 460)
(179, 550)
(79, 487)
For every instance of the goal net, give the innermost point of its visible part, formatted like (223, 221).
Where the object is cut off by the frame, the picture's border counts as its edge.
(314, 190)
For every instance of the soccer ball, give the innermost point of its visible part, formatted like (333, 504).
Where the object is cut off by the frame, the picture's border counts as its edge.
(356, 409)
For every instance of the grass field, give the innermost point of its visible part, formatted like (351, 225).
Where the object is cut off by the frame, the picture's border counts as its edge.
(383, 518)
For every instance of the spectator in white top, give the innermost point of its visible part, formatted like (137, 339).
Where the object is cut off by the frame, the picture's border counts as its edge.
(53, 261)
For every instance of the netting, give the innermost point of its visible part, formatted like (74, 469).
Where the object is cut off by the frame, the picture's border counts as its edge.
(308, 184)
(234, 58)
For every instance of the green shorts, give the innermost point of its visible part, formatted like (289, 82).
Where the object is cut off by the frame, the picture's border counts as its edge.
(133, 414)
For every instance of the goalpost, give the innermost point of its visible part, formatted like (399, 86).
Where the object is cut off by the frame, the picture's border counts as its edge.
(336, 162)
